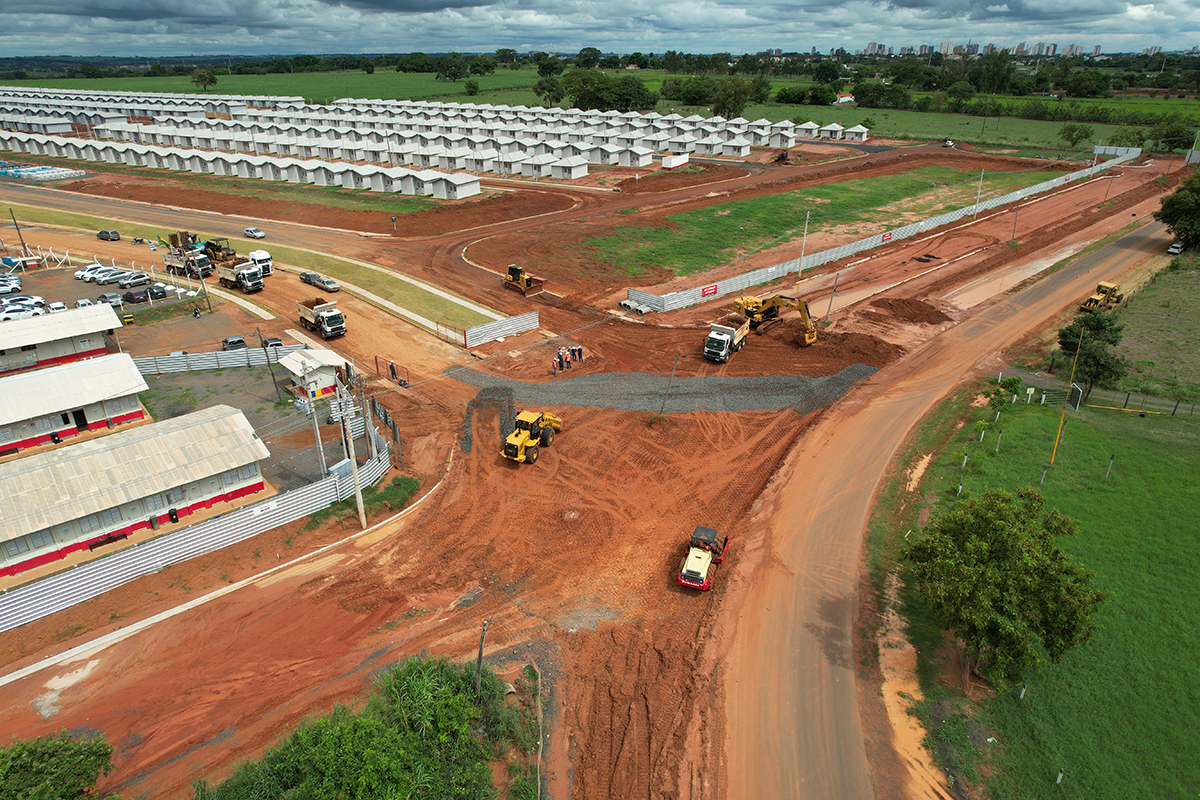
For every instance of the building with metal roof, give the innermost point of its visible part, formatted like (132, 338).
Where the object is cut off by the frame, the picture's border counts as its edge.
(89, 494)
(50, 339)
(314, 372)
(48, 405)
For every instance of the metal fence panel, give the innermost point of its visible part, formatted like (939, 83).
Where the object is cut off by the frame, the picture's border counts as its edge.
(86, 581)
(491, 331)
(739, 283)
(220, 359)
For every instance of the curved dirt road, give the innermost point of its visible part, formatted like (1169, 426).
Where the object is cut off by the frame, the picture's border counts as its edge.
(792, 721)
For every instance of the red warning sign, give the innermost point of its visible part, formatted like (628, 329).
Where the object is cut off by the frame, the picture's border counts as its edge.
(708, 291)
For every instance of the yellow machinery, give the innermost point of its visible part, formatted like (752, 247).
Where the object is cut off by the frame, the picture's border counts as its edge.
(762, 311)
(534, 429)
(521, 281)
(1107, 297)
(219, 250)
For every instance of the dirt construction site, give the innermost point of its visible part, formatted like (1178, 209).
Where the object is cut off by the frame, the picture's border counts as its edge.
(756, 688)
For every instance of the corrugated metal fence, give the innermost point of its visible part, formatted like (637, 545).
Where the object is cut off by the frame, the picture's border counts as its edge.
(221, 359)
(739, 283)
(491, 331)
(42, 598)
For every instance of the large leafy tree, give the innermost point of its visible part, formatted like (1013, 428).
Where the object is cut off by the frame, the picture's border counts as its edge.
(992, 571)
(549, 66)
(1172, 133)
(1097, 364)
(1073, 133)
(203, 78)
(1180, 210)
(827, 72)
(54, 767)
(995, 72)
(483, 65)
(550, 90)
(451, 67)
(588, 57)
(731, 97)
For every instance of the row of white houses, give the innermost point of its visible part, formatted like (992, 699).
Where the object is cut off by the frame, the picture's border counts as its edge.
(448, 186)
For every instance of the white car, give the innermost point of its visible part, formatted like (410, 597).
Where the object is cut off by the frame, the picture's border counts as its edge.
(19, 312)
(113, 277)
(56, 307)
(1175, 249)
(84, 303)
(83, 272)
(948, 143)
(254, 233)
(92, 277)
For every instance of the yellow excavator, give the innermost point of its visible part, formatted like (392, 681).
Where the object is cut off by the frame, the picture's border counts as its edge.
(764, 312)
(534, 429)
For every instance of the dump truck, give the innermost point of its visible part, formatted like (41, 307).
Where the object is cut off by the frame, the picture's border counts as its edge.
(1107, 297)
(521, 281)
(705, 550)
(245, 277)
(725, 337)
(764, 312)
(533, 429)
(321, 315)
(194, 264)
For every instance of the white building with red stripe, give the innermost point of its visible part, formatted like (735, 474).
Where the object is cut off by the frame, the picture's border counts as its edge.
(52, 404)
(60, 338)
(89, 494)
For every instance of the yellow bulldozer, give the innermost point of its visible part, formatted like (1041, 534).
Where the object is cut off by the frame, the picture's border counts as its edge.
(534, 429)
(764, 312)
(1107, 297)
(521, 281)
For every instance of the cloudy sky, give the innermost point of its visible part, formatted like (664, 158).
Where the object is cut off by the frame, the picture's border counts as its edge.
(187, 27)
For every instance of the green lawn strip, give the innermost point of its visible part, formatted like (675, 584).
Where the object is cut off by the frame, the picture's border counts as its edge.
(380, 282)
(698, 240)
(1118, 714)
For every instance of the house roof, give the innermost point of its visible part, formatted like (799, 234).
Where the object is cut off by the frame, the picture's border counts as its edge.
(67, 483)
(299, 362)
(18, 333)
(67, 387)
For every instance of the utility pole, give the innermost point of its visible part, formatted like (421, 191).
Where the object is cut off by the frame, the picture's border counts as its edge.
(479, 660)
(362, 514)
(978, 195)
(831, 296)
(24, 247)
(1062, 418)
(312, 408)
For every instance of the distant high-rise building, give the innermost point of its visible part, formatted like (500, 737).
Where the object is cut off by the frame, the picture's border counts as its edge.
(971, 49)
(778, 52)
(1096, 51)
(1021, 49)
(947, 48)
(958, 49)
(1039, 49)
(1051, 50)
(814, 51)
(925, 50)
(989, 48)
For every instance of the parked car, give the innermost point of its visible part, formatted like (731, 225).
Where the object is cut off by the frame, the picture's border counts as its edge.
(109, 236)
(947, 143)
(136, 296)
(19, 312)
(113, 277)
(56, 307)
(29, 299)
(94, 277)
(272, 341)
(320, 281)
(112, 298)
(254, 233)
(9, 288)
(233, 343)
(1175, 249)
(84, 271)
(83, 303)
(156, 292)
(133, 279)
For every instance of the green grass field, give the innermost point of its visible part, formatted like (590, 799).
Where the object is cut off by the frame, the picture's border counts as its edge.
(700, 240)
(1118, 715)
(1160, 325)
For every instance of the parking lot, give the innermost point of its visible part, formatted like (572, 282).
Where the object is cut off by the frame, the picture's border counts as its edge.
(60, 285)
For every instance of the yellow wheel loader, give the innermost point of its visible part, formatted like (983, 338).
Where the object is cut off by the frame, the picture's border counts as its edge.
(534, 429)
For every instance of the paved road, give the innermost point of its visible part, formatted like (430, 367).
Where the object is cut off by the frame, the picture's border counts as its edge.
(792, 719)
